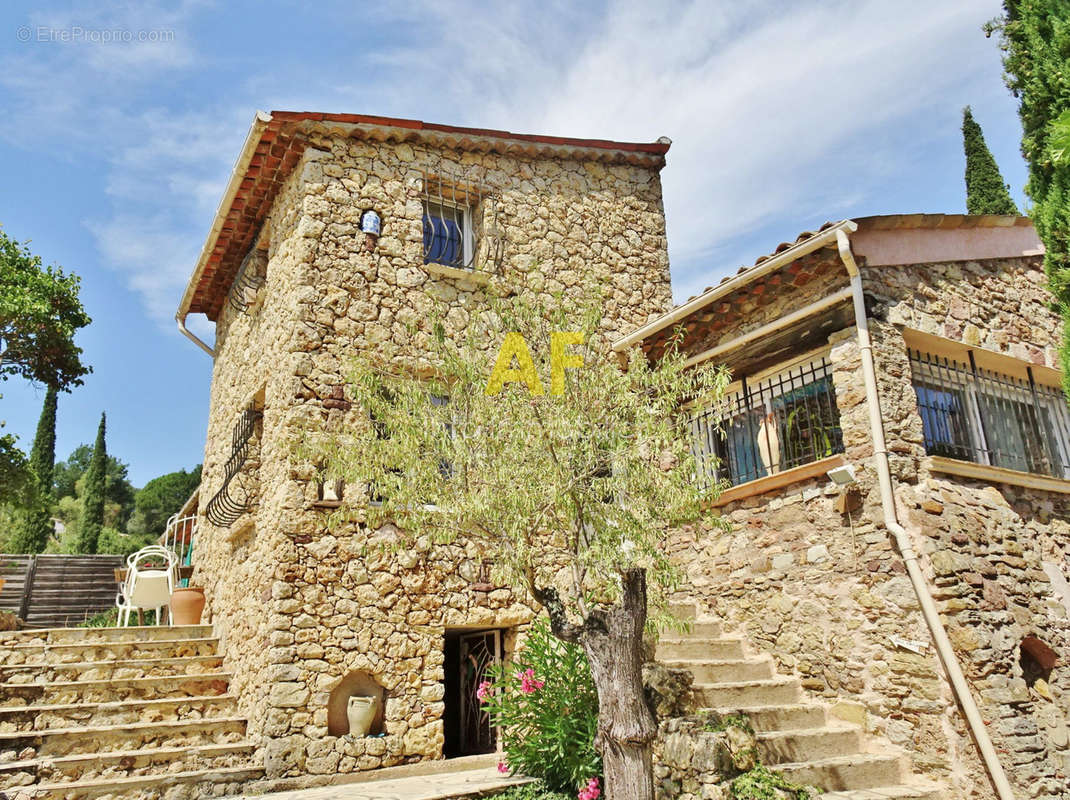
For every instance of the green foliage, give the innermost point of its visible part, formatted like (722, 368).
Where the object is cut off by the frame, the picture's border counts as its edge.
(16, 480)
(119, 543)
(39, 315)
(533, 791)
(1035, 39)
(986, 191)
(119, 494)
(159, 499)
(35, 526)
(761, 783)
(716, 722)
(592, 479)
(547, 731)
(105, 619)
(92, 522)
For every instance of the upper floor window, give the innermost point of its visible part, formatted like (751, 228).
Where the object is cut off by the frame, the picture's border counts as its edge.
(785, 420)
(987, 417)
(448, 234)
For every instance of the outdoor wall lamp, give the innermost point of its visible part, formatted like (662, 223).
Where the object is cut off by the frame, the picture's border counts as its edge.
(843, 475)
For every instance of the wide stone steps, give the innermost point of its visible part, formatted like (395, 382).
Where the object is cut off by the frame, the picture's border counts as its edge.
(784, 747)
(106, 670)
(105, 690)
(119, 713)
(42, 654)
(97, 738)
(794, 737)
(726, 671)
(124, 763)
(66, 715)
(157, 786)
(747, 693)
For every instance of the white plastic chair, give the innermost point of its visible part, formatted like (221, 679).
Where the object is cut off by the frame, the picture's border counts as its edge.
(147, 585)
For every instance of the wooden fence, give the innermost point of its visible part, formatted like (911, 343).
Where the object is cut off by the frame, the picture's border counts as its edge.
(56, 591)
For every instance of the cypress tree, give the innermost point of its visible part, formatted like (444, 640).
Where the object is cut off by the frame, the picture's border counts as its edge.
(1036, 62)
(35, 525)
(986, 193)
(93, 497)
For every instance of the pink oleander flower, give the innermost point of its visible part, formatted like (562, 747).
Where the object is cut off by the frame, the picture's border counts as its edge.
(483, 692)
(591, 791)
(528, 682)
(503, 768)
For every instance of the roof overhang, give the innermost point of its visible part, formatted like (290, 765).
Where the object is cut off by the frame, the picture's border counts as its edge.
(276, 142)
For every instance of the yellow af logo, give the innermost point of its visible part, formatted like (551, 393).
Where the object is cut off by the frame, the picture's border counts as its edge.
(516, 347)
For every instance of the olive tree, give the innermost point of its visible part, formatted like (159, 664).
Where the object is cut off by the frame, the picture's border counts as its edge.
(569, 468)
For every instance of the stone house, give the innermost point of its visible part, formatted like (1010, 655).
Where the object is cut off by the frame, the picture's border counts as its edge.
(977, 439)
(339, 233)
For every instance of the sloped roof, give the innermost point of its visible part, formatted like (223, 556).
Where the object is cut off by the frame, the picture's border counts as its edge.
(277, 140)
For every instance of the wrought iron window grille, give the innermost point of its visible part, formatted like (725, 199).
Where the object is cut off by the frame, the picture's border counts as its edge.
(973, 414)
(768, 426)
(232, 499)
(460, 220)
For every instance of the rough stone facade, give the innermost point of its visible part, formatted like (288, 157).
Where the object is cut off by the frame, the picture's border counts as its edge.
(300, 608)
(826, 593)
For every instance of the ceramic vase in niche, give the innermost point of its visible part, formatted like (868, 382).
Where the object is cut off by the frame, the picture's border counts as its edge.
(361, 711)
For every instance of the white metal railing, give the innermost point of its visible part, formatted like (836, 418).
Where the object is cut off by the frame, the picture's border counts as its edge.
(179, 538)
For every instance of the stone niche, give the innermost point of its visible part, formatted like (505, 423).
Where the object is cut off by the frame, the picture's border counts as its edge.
(355, 684)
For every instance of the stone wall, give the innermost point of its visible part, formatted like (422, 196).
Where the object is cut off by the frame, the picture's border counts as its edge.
(300, 606)
(826, 592)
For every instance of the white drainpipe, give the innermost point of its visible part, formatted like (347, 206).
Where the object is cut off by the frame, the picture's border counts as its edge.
(910, 558)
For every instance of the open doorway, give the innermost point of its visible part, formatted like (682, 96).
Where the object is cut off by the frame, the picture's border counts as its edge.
(468, 656)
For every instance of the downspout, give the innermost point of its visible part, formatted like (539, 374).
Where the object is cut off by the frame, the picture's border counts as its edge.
(180, 318)
(902, 539)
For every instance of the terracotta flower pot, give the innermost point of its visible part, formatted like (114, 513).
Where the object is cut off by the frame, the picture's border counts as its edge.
(187, 605)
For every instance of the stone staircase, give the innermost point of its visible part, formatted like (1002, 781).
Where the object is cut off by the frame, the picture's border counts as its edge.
(119, 712)
(795, 737)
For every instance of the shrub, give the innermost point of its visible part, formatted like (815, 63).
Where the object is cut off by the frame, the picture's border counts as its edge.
(761, 783)
(547, 708)
(532, 791)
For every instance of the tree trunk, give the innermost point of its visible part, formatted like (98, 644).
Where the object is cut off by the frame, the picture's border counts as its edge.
(613, 641)
(626, 728)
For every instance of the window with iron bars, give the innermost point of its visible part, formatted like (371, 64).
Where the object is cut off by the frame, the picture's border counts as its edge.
(768, 426)
(979, 415)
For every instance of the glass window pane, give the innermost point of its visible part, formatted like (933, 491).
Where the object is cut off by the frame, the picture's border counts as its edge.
(944, 421)
(443, 235)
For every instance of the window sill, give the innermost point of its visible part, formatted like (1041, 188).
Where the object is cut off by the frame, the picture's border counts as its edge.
(779, 480)
(986, 472)
(459, 274)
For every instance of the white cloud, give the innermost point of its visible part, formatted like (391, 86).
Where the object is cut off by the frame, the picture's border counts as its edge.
(780, 113)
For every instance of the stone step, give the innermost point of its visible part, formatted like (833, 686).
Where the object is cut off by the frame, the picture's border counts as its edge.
(117, 669)
(69, 715)
(781, 717)
(124, 763)
(87, 635)
(858, 771)
(138, 736)
(676, 648)
(30, 655)
(726, 671)
(201, 783)
(683, 609)
(113, 689)
(747, 693)
(906, 791)
(807, 744)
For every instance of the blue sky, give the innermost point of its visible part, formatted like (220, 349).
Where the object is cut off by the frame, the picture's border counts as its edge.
(115, 147)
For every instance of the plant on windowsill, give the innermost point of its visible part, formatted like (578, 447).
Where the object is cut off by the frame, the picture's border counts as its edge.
(807, 437)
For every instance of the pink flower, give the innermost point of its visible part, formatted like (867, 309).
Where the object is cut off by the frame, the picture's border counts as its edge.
(528, 682)
(483, 692)
(503, 768)
(590, 791)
